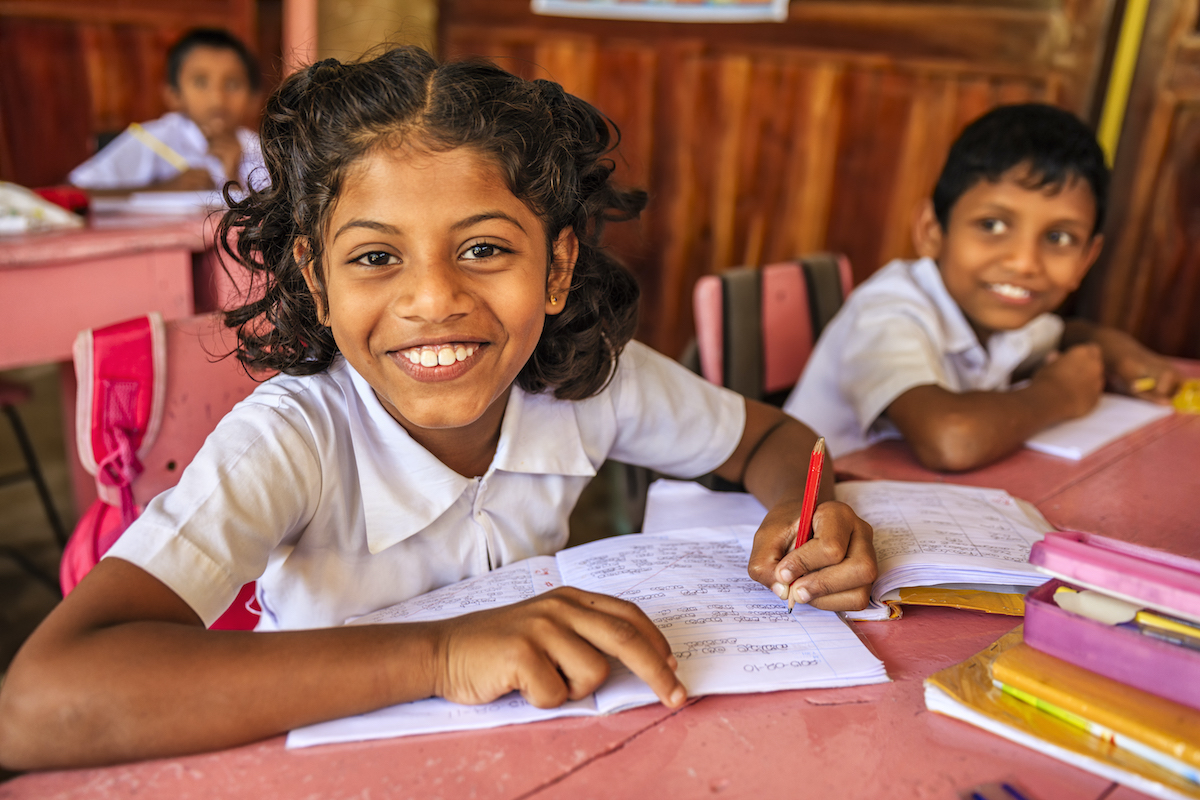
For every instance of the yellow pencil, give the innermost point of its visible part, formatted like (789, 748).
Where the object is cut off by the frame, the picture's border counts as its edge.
(1146, 384)
(159, 147)
(1179, 627)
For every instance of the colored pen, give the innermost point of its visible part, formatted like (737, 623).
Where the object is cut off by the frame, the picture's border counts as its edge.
(815, 462)
(1008, 788)
(159, 147)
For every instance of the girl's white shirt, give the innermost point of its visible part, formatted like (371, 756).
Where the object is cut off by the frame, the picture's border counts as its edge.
(127, 163)
(311, 487)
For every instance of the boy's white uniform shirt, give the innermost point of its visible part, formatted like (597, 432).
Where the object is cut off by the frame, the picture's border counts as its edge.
(898, 330)
(128, 163)
(310, 486)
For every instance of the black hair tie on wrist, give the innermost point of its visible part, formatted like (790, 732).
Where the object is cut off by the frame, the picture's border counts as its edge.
(757, 445)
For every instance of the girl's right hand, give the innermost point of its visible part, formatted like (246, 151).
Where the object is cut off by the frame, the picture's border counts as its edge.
(551, 648)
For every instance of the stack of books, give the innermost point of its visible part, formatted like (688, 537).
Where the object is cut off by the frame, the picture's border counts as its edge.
(1105, 673)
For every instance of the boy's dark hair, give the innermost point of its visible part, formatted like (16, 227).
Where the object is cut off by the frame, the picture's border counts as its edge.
(550, 147)
(218, 39)
(1054, 143)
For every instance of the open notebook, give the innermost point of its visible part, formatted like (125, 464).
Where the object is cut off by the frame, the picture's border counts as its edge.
(1113, 417)
(971, 544)
(730, 634)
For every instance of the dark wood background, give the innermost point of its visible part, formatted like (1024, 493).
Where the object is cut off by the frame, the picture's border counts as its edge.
(1148, 278)
(759, 142)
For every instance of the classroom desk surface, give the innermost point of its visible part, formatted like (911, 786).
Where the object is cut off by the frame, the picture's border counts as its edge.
(858, 742)
(118, 266)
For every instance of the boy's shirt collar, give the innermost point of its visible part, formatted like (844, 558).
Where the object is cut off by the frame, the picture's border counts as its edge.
(539, 435)
(1006, 351)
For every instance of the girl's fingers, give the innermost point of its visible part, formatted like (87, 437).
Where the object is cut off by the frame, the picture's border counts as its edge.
(570, 669)
(833, 525)
(845, 586)
(621, 630)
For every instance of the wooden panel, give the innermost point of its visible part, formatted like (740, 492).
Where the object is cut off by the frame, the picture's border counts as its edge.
(70, 69)
(1147, 281)
(760, 142)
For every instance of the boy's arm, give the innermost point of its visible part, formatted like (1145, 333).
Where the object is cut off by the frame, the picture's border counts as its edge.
(1127, 360)
(123, 669)
(961, 431)
(834, 570)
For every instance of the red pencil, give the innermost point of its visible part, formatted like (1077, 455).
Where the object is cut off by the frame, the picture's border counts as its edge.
(815, 462)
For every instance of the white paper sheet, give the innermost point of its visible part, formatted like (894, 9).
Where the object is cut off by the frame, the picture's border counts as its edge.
(1113, 417)
(926, 534)
(729, 633)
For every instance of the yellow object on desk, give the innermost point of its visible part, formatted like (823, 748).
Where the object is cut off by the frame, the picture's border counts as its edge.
(1187, 399)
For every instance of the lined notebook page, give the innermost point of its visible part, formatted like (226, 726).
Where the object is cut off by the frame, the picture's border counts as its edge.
(926, 534)
(730, 634)
(1113, 417)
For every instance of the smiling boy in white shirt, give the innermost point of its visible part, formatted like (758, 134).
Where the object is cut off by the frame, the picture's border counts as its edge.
(928, 350)
(200, 143)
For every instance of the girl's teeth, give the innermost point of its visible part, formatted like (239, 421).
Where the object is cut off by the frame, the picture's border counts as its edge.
(440, 355)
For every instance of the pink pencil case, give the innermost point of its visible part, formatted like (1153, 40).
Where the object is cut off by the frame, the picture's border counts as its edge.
(1142, 575)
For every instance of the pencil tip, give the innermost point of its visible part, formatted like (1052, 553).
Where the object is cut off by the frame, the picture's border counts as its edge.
(791, 605)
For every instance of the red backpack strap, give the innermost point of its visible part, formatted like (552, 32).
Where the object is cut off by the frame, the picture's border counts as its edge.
(121, 373)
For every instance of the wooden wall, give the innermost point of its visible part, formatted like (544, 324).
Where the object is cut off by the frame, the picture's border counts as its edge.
(70, 69)
(1148, 279)
(760, 142)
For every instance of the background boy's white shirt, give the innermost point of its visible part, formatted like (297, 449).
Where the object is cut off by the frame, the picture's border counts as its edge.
(312, 485)
(128, 163)
(898, 330)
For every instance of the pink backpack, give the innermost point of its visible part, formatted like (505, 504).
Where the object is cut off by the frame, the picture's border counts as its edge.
(121, 371)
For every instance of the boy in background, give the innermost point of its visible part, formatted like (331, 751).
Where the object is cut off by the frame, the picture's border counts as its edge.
(199, 144)
(928, 350)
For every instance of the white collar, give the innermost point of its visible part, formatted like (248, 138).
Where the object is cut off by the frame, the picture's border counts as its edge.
(539, 435)
(960, 336)
(1004, 346)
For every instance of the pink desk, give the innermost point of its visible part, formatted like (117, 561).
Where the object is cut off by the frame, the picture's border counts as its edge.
(859, 742)
(59, 282)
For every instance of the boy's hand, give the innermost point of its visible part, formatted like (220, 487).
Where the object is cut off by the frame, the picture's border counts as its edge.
(552, 648)
(833, 570)
(1077, 376)
(191, 180)
(1143, 373)
(228, 151)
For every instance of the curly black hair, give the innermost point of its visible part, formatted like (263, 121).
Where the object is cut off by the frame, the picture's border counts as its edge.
(551, 147)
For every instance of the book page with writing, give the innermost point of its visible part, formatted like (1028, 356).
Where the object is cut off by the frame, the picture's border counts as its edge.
(1113, 417)
(729, 633)
(509, 584)
(935, 533)
(925, 533)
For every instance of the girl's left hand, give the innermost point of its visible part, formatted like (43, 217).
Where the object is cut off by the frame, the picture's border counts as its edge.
(833, 570)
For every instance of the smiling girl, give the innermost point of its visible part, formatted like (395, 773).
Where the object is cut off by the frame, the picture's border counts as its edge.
(456, 364)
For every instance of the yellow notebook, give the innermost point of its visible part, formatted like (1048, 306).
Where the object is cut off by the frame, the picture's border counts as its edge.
(965, 691)
(1168, 727)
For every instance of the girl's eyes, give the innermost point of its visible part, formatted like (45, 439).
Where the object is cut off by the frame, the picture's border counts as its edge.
(483, 250)
(376, 258)
(993, 225)
(1060, 238)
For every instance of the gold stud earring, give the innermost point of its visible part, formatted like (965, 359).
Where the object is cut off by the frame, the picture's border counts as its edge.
(553, 300)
